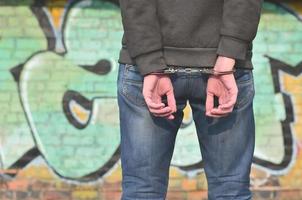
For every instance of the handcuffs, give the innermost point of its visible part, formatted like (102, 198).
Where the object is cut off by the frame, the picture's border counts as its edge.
(192, 70)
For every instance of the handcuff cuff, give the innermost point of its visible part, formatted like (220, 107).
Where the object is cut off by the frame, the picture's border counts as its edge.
(192, 70)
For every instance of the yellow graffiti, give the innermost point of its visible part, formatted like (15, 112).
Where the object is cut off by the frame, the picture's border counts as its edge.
(56, 9)
(296, 6)
(80, 113)
(187, 114)
(293, 86)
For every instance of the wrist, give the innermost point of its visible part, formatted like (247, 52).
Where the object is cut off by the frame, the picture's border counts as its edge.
(224, 64)
(159, 72)
(156, 74)
(224, 72)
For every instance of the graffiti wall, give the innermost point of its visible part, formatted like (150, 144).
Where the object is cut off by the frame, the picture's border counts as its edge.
(59, 129)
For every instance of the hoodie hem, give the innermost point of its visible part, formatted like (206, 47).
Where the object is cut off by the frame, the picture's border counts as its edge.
(189, 57)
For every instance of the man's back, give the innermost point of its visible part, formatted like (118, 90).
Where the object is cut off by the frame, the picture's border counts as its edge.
(190, 33)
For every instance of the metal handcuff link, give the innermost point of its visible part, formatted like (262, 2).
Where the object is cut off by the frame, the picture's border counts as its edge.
(190, 70)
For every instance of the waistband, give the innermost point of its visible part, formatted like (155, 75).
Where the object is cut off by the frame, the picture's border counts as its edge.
(190, 57)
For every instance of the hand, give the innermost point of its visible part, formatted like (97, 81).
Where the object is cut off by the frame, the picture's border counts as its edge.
(154, 87)
(224, 87)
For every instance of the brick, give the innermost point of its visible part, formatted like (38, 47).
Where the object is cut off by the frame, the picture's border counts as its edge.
(5, 98)
(18, 184)
(84, 194)
(21, 195)
(27, 44)
(6, 11)
(176, 195)
(73, 140)
(174, 173)
(23, 11)
(189, 184)
(111, 195)
(285, 48)
(7, 195)
(175, 184)
(5, 54)
(56, 195)
(115, 176)
(112, 186)
(39, 185)
(197, 195)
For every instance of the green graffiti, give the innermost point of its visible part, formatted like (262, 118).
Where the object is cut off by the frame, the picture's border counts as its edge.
(71, 110)
(18, 41)
(72, 152)
(277, 31)
(65, 104)
(101, 37)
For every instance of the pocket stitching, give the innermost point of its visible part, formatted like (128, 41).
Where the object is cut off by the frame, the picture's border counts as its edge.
(133, 98)
(246, 81)
(247, 97)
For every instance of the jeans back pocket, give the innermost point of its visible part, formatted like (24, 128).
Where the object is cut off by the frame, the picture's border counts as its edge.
(243, 75)
(132, 74)
(132, 85)
(245, 83)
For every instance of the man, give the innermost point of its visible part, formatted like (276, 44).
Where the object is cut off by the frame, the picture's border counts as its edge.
(206, 45)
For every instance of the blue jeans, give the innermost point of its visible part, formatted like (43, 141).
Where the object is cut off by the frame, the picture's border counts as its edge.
(147, 142)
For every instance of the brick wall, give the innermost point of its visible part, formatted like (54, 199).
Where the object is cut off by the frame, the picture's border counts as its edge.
(59, 131)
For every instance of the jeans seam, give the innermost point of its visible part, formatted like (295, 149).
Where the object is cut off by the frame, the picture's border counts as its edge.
(150, 165)
(124, 90)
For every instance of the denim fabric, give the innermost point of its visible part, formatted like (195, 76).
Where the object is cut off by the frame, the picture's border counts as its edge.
(147, 142)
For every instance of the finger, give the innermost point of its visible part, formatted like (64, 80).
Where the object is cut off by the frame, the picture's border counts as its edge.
(231, 99)
(223, 97)
(163, 115)
(153, 105)
(227, 105)
(209, 102)
(162, 111)
(170, 117)
(233, 92)
(219, 111)
(216, 116)
(171, 100)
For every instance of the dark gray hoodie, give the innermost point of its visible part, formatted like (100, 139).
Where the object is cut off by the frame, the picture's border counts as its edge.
(159, 33)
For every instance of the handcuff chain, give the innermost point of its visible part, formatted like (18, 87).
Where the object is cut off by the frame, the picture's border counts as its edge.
(172, 70)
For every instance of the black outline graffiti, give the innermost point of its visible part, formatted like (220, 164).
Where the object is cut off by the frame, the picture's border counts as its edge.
(276, 66)
(37, 10)
(103, 67)
(80, 99)
(286, 8)
(34, 152)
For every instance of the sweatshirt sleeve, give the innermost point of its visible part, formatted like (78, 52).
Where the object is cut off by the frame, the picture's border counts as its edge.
(239, 27)
(142, 34)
